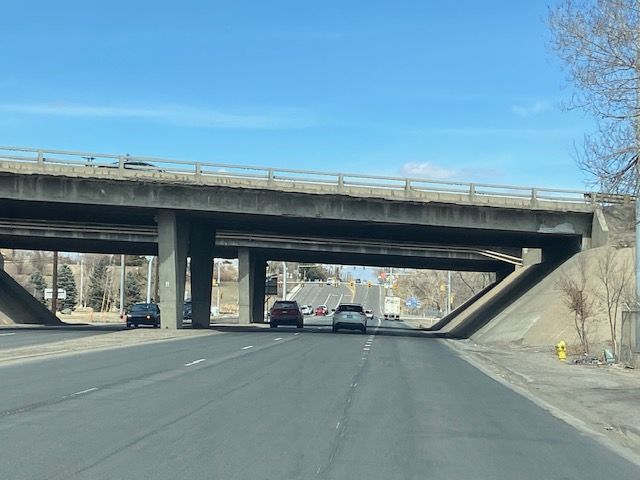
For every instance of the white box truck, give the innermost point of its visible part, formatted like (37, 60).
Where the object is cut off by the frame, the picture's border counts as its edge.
(392, 308)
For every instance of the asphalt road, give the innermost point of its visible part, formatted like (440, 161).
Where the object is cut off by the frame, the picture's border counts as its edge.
(371, 298)
(282, 405)
(12, 337)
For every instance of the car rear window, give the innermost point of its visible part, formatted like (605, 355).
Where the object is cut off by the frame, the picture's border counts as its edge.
(350, 308)
(143, 307)
(285, 305)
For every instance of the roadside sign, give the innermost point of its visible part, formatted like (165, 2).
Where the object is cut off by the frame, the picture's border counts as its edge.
(48, 294)
(413, 303)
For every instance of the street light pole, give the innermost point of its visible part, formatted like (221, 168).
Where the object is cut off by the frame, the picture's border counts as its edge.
(150, 263)
(82, 280)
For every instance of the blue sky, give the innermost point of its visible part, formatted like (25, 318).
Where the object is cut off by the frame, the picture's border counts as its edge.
(461, 90)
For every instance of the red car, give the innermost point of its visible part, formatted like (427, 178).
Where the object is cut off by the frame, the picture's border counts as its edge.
(321, 310)
(286, 313)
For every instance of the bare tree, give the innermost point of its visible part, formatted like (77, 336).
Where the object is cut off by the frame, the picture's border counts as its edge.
(598, 41)
(613, 274)
(579, 300)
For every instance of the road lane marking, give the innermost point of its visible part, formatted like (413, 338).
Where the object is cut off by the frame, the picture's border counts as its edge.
(247, 347)
(5, 334)
(279, 338)
(195, 362)
(297, 333)
(366, 349)
(337, 425)
(85, 391)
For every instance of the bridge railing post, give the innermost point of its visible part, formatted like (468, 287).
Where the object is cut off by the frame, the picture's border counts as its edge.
(472, 192)
(40, 157)
(407, 186)
(198, 169)
(271, 177)
(121, 163)
(340, 183)
(534, 197)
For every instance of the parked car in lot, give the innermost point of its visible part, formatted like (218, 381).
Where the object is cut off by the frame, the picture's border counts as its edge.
(321, 310)
(143, 314)
(349, 316)
(286, 312)
(306, 309)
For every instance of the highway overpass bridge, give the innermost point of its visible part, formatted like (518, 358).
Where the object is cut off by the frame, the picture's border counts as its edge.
(84, 201)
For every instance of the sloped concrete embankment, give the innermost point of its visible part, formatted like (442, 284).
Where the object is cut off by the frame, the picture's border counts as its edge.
(540, 317)
(17, 306)
(487, 308)
(447, 319)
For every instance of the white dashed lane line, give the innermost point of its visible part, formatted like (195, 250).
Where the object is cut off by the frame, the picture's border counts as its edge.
(247, 347)
(195, 362)
(6, 334)
(279, 338)
(88, 390)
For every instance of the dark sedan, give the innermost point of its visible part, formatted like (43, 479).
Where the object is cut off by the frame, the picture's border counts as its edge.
(143, 314)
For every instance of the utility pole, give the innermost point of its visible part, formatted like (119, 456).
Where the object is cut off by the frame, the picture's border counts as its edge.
(82, 280)
(218, 284)
(121, 285)
(284, 280)
(54, 284)
(448, 292)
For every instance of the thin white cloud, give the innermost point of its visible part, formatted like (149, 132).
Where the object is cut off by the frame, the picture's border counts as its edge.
(496, 132)
(426, 170)
(173, 114)
(525, 111)
(432, 171)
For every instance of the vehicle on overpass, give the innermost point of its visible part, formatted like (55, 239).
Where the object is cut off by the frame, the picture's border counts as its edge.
(321, 310)
(306, 309)
(349, 316)
(286, 312)
(143, 314)
(392, 308)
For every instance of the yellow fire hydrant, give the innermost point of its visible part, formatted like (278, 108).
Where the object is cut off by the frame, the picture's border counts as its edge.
(561, 350)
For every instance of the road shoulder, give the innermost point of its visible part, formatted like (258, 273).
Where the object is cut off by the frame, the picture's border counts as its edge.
(107, 341)
(600, 401)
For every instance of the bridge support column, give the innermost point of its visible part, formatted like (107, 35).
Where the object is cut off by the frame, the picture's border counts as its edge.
(201, 246)
(252, 274)
(246, 274)
(259, 279)
(173, 243)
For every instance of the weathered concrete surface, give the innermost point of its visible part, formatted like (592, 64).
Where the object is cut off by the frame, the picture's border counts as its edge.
(248, 201)
(19, 306)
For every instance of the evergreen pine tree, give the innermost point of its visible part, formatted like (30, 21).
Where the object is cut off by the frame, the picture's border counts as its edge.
(39, 284)
(97, 284)
(68, 283)
(132, 290)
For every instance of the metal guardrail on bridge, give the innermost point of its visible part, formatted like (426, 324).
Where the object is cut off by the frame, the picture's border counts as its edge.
(305, 180)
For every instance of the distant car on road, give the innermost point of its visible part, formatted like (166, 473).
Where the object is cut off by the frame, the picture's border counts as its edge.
(369, 314)
(321, 310)
(143, 314)
(187, 311)
(286, 312)
(349, 316)
(306, 309)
